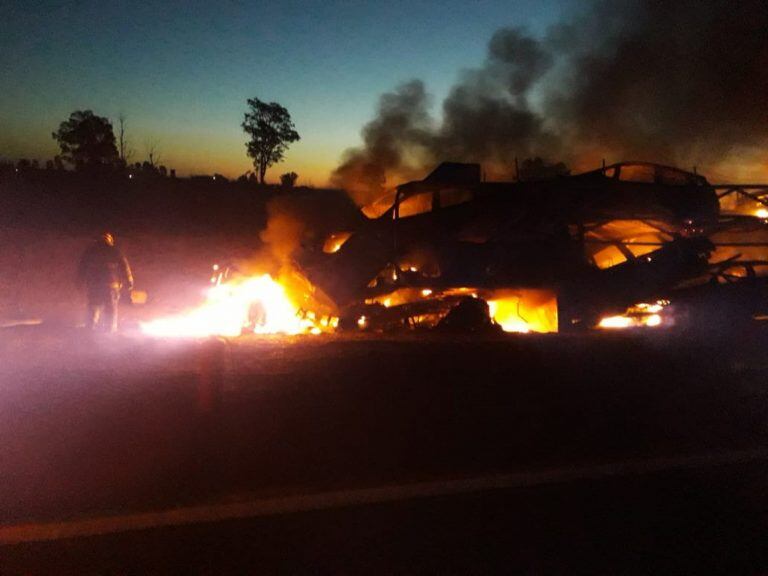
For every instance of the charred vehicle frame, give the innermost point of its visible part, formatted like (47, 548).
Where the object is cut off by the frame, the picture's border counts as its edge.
(584, 247)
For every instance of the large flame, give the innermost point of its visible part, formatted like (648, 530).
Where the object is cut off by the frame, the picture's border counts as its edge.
(257, 304)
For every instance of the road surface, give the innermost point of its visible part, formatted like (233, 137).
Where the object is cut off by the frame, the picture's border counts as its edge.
(431, 452)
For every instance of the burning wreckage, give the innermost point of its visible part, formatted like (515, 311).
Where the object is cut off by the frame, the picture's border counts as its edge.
(628, 245)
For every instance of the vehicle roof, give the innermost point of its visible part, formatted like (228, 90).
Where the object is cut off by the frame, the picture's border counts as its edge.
(664, 167)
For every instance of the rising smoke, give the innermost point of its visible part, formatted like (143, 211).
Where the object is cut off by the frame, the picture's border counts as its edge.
(680, 83)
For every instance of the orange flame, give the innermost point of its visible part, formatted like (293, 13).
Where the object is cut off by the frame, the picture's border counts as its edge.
(639, 315)
(257, 304)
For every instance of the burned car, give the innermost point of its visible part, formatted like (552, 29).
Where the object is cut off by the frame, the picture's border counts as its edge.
(549, 255)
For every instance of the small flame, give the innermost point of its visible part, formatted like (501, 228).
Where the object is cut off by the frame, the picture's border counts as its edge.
(335, 241)
(616, 322)
(653, 320)
(762, 213)
(642, 314)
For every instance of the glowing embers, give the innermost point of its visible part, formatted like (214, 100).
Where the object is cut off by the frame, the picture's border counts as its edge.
(257, 304)
(514, 310)
(611, 243)
(638, 316)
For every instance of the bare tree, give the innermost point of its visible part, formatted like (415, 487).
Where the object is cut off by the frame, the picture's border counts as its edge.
(121, 136)
(124, 145)
(153, 153)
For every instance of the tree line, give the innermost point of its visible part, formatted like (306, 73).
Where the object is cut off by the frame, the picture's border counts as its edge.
(87, 143)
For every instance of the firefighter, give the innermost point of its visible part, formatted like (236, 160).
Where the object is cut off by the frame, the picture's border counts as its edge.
(103, 272)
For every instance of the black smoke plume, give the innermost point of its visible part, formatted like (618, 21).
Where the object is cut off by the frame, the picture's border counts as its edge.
(680, 83)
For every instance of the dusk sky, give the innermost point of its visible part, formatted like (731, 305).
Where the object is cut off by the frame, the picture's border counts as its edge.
(181, 71)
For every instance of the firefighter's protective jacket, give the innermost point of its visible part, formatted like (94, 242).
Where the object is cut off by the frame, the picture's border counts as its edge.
(104, 266)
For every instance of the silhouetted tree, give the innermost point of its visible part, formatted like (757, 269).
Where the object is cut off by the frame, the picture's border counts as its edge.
(248, 176)
(271, 130)
(87, 141)
(125, 151)
(148, 170)
(288, 180)
(153, 153)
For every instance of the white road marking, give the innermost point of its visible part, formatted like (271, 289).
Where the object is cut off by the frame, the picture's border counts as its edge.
(37, 532)
(25, 322)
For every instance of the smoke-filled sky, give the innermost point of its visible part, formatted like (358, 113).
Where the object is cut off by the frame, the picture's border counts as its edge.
(385, 90)
(677, 83)
(181, 71)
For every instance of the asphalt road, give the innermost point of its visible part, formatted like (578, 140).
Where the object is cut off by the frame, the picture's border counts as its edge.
(431, 453)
